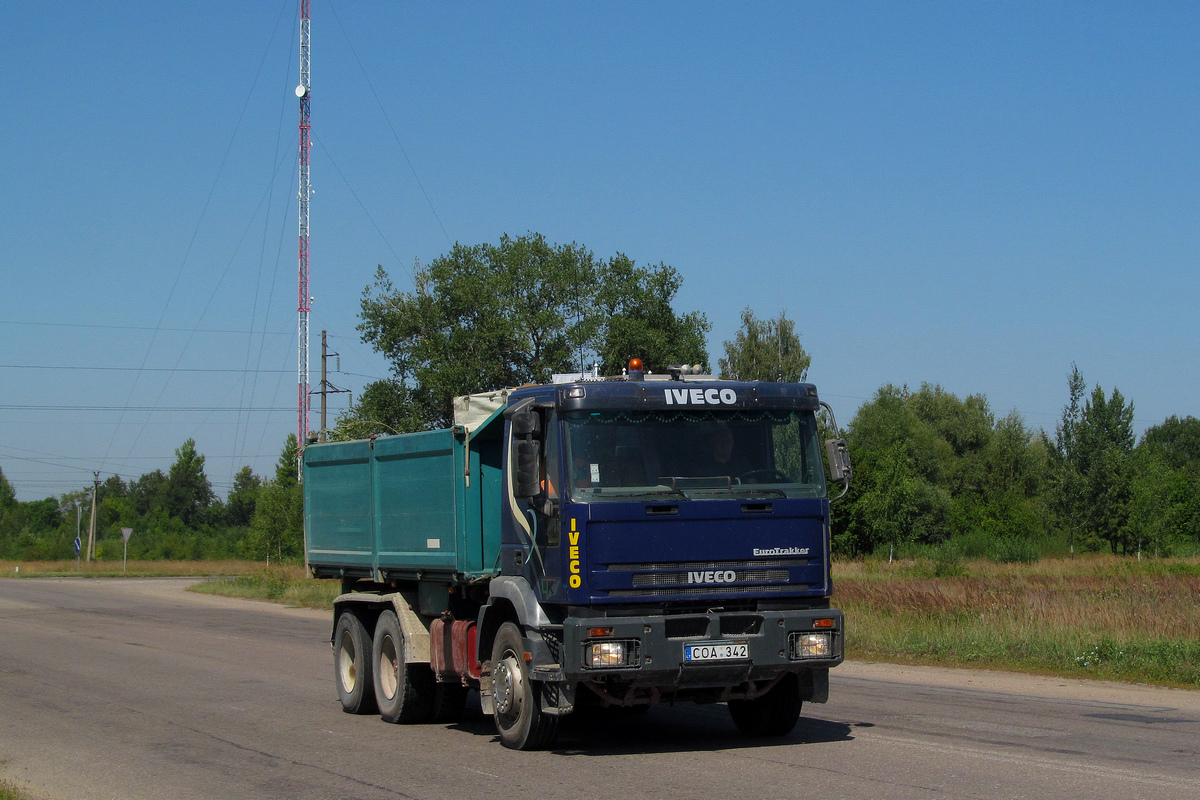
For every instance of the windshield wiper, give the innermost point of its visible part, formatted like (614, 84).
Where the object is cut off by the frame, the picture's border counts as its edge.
(666, 490)
(760, 491)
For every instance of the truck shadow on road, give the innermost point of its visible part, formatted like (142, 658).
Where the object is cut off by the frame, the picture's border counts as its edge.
(662, 729)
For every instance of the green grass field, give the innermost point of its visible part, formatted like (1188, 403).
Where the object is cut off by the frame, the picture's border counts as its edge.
(1095, 617)
(286, 585)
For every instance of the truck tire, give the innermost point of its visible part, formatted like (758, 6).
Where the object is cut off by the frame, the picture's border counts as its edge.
(404, 692)
(773, 714)
(517, 698)
(449, 699)
(352, 665)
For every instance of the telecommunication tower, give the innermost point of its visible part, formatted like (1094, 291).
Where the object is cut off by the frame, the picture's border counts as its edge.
(303, 91)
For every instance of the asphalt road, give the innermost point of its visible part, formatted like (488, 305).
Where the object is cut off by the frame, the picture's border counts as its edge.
(136, 689)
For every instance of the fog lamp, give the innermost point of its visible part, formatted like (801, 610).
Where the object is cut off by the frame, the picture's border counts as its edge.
(606, 655)
(811, 645)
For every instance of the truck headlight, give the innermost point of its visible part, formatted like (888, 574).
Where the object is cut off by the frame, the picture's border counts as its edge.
(612, 653)
(810, 645)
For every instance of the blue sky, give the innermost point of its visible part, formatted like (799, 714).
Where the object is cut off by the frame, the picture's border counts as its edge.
(970, 194)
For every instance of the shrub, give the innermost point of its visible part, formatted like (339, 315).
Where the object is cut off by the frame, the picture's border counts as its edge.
(1015, 550)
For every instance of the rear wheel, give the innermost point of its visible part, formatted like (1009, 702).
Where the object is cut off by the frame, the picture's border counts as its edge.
(448, 702)
(773, 714)
(352, 665)
(403, 691)
(517, 698)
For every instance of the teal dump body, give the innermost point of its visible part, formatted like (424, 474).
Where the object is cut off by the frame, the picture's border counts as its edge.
(420, 505)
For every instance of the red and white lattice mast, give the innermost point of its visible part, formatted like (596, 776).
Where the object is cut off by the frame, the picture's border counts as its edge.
(303, 91)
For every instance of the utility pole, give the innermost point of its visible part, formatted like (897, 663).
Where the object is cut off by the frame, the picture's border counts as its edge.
(326, 387)
(91, 548)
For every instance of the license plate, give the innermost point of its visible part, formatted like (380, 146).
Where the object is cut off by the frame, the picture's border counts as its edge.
(715, 651)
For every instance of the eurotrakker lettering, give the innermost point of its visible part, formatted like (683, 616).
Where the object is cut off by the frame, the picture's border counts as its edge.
(781, 551)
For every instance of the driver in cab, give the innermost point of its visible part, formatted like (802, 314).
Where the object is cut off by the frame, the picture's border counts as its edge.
(724, 458)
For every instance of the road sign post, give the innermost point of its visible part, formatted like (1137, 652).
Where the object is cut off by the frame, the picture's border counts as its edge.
(78, 547)
(125, 534)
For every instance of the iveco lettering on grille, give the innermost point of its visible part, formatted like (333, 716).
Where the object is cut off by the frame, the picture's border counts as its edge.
(713, 576)
(712, 397)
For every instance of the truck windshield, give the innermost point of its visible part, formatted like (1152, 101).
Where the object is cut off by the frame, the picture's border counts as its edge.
(622, 455)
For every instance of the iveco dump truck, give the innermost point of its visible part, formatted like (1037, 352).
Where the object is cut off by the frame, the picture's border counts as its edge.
(615, 542)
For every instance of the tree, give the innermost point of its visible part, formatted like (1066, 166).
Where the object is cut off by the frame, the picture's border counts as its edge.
(493, 316)
(8, 495)
(285, 468)
(895, 496)
(384, 407)
(187, 493)
(8, 512)
(1068, 484)
(1092, 463)
(765, 350)
(113, 487)
(1176, 440)
(147, 491)
(637, 319)
(1105, 438)
(277, 528)
(481, 317)
(1165, 495)
(239, 510)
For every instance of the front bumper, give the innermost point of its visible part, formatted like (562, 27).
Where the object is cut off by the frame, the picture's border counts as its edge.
(659, 641)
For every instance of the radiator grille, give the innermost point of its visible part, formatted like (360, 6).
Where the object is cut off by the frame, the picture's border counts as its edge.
(681, 578)
(711, 588)
(746, 564)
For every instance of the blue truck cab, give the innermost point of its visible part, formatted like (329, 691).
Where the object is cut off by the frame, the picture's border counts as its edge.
(617, 542)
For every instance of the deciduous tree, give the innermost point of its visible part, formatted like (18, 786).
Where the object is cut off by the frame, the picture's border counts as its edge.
(187, 493)
(765, 350)
(243, 497)
(493, 316)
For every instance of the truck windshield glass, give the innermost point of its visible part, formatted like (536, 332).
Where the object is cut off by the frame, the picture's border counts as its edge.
(624, 455)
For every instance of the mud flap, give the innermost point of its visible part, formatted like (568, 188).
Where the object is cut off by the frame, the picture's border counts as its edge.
(487, 700)
(814, 685)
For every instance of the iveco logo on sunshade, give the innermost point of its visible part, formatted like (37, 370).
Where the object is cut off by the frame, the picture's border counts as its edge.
(712, 397)
(713, 576)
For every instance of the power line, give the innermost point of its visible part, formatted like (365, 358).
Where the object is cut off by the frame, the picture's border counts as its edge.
(141, 328)
(391, 127)
(155, 408)
(140, 369)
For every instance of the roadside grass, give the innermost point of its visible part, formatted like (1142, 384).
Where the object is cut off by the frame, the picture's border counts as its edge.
(11, 791)
(287, 585)
(135, 569)
(1098, 617)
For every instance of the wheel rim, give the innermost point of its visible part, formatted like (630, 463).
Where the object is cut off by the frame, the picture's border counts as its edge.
(347, 663)
(507, 686)
(389, 667)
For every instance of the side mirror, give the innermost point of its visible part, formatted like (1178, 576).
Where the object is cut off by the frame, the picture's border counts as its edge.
(527, 423)
(529, 470)
(839, 460)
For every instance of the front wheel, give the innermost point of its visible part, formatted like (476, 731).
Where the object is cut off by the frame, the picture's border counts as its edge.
(517, 698)
(773, 714)
(403, 691)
